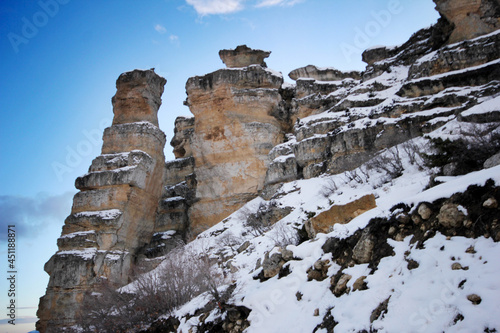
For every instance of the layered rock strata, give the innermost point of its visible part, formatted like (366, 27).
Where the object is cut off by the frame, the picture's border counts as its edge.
(405, 92)
(114, 213)
(236, 124)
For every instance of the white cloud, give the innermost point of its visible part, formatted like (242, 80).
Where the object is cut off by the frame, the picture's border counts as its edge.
(161, 29)
(173, 38)
(270, 3)
(207, 7)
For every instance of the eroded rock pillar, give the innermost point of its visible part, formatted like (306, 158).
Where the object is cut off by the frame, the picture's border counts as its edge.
(236, 124)
(114, 213)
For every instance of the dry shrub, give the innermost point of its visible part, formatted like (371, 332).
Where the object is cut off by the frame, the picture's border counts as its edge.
(181, 277)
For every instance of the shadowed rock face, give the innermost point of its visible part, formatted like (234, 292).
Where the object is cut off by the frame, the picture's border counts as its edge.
(471, 18)
(114, 213)
(243, 56)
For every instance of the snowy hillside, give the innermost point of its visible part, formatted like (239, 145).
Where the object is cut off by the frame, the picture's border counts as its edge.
(417, 288)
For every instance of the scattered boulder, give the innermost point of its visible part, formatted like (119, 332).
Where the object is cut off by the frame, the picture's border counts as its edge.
(457, 266)
(492, 161)
(379, 310)
(474, 299)
(272, 264)
(412, 264)
(450, 216)
(362, 252)
(339, 214)
(360, 283)
(491, 203)
(319, 271)
(424, 211)
(341, 285)
(243, 246)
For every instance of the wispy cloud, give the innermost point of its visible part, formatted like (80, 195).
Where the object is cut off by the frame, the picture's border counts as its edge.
(208, 7)
(173, 38)
(30, 214)
(270, 3)
(211, 7)
(161, 29)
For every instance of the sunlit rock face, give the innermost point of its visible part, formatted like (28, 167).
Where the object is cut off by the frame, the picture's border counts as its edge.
(471, 18)
(114, 213)
(243, 56)
(236, 125)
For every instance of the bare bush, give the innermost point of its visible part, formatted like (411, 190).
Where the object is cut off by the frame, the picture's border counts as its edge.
(389, 162)
(180, 278)
(283, 235)
(353, 176)
(329, 188)
(258, 223)
(228, 239)
(468, 152)
(412, 150)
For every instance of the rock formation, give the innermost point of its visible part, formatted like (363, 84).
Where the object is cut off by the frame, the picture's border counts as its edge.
(342, 214)
(250, 134)
(470, 19)
(243, 56)
(322, 74)
(236, 123)
(114, 213)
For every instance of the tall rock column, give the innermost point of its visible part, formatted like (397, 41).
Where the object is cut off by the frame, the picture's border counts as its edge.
(236, 124)
(114, 213)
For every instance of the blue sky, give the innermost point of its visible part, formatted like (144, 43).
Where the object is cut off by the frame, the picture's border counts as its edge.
(60, 60)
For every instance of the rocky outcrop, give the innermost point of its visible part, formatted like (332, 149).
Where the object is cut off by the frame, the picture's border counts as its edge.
(183, 132)
(322, 74)
(114, 213)
(236, 123)
(243, 56)
(470, 18)
(342, 214)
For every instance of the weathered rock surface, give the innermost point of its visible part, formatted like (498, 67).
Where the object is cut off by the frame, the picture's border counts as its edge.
(138, 97)
(234, 129)
(450, 216)
(322, 74)
(114, 213)
(183, 131)
(470, 18)
(243, 56)
(342, 214)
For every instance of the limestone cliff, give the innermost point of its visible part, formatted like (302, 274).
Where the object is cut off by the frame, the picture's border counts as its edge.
(114, 213)
(236, 124)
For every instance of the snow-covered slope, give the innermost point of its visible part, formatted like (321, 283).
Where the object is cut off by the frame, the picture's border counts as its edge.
(431, 297)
